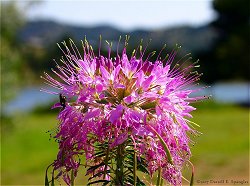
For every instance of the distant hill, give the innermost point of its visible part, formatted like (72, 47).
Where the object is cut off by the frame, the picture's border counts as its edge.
(45, 33)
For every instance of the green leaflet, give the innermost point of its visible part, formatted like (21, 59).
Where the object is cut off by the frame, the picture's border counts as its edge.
(99, 174)
(108, 156)
(92, 168)
(105, 182)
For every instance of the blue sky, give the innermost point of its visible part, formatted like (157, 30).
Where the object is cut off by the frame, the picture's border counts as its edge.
(126, 14)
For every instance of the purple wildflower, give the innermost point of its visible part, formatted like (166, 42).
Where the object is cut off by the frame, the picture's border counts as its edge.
(120, 99)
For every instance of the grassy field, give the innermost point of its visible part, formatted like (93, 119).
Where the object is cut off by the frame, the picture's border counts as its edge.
(221, 153)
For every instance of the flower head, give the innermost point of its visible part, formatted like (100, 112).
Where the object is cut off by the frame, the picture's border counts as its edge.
(113, 100)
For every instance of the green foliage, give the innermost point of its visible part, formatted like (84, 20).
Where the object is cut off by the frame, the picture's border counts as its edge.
(12, 19)
(118, 162)
(235, 9)
(229, 58)
(11, 59)
(15, 71)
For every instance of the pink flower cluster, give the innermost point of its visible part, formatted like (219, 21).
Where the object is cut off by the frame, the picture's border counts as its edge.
(115, 99)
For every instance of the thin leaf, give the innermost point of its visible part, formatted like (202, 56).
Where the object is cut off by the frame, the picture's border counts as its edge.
(130, 179)
(98, 174)
(99, 181)
(142, 166)
(92, 168)
(139, 182)
(99, 154)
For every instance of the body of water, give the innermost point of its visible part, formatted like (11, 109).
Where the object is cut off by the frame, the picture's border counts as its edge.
(29, 98)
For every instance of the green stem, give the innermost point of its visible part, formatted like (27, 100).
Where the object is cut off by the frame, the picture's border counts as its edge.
(106, 163)
(46, 175)
(53, 179)
(119, 176)
(159, 177)
(161, 183)
(72, 180)
(192, 177)
(134, 168)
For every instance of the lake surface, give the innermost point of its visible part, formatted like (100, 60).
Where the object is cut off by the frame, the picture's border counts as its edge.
(31, 97)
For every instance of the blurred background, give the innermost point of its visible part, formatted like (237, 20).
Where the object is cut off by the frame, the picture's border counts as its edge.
(215, 31)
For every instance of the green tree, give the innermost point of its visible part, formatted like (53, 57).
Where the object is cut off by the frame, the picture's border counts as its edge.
(12, 19)
(229, 58)
(233, 48)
